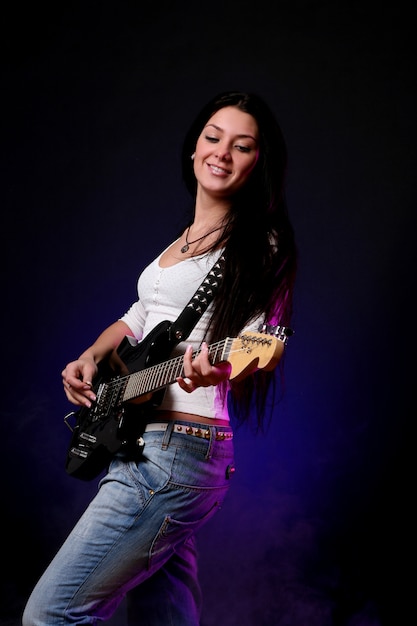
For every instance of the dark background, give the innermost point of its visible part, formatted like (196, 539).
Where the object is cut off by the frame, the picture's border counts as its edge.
(97, 96)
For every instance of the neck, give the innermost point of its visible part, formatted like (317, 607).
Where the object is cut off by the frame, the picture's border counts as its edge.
(209, 211)
(196, 229)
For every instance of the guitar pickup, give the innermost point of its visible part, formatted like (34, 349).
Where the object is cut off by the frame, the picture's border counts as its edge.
(87, 437)
(80, 453)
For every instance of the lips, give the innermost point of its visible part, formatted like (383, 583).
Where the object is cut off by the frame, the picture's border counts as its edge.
(218, 170)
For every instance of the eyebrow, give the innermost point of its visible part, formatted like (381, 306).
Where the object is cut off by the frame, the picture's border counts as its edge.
(242, 136)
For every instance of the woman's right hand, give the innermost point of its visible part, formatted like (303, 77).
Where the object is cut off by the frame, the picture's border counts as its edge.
(77, 379)
(78, 375)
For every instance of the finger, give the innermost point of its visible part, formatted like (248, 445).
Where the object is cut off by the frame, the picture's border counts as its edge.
(191, 385)
(204, 366)
(77, 398)
(69, 392)
(188, 354)
(186, 384)
(77, 384)
(188, 361)
(79, 392)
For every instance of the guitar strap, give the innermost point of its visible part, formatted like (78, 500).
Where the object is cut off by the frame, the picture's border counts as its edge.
(195, 308)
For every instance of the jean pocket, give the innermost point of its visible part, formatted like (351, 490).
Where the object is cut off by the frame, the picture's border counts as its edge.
(173, 532)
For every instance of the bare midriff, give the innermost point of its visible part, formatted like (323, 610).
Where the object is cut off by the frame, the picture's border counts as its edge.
(176, 416)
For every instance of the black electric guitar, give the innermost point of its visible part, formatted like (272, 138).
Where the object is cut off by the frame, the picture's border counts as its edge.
(128, 383)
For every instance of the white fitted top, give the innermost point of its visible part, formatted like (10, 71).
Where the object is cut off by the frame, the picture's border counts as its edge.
(163, 293)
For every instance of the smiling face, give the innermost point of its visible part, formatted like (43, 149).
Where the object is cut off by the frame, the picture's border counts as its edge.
(226, 152)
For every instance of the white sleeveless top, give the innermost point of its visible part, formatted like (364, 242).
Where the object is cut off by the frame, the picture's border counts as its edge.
(163, 293)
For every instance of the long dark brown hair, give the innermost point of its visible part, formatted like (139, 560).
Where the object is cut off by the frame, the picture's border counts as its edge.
(259, 246)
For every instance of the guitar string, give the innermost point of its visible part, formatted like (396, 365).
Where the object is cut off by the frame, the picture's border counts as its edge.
(178, 361)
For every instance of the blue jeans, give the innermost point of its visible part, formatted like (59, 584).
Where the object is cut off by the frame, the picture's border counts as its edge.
(139, 530)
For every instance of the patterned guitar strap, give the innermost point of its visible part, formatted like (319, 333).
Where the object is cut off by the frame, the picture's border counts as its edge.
(195, 308)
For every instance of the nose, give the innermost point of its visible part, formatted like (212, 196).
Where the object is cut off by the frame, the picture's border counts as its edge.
(223, 154)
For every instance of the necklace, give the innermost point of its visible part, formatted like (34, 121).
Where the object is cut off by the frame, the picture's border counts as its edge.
(185, 248)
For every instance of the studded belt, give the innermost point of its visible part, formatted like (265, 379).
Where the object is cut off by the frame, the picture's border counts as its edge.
(182, 429)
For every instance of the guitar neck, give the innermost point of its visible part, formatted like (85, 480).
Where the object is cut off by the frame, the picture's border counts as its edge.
(163, 374)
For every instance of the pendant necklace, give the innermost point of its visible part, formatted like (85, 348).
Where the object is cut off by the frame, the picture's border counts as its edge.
(185, 248)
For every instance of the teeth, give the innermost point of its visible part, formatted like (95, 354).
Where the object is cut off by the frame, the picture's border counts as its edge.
(219, 170)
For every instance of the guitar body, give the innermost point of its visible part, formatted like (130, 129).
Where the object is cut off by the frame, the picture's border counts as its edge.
(110, 425)
(129, 385)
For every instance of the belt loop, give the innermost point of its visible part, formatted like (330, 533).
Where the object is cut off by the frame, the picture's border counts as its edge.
(212, 430)
(167, 435)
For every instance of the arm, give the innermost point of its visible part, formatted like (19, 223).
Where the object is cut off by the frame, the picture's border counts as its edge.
(78, 375)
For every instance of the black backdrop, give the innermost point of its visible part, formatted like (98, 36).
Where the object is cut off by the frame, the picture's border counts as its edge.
(96, 98)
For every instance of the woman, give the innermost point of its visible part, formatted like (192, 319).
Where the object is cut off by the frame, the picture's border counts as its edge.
(139, 530)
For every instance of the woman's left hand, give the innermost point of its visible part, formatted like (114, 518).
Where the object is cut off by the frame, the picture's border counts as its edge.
(199, 372)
